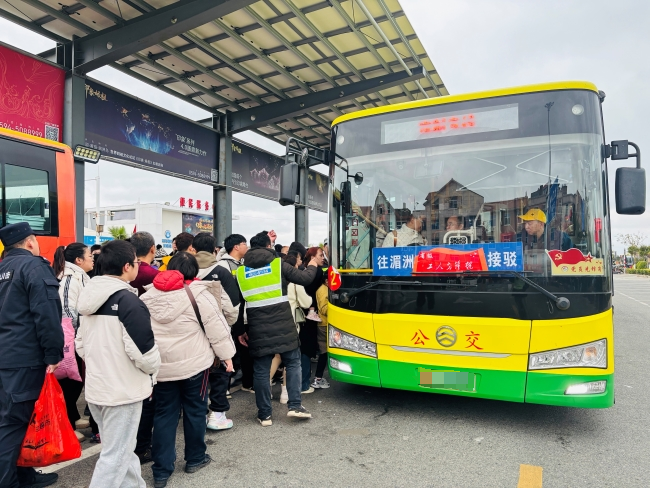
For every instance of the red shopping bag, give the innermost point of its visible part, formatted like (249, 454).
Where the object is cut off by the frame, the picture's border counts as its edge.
(50, 438)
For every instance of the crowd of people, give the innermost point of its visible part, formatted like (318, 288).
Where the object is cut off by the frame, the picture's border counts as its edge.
(157, 338)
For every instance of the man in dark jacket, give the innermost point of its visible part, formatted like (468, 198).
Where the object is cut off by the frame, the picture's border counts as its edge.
(31, 342)
(271, 328)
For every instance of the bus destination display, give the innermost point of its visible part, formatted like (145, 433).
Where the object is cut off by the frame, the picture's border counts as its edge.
(490, 119)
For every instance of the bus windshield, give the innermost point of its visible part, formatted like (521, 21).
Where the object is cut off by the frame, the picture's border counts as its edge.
(523, 169)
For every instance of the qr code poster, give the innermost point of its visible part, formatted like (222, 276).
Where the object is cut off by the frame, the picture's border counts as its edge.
(52, 133)
(31, 95)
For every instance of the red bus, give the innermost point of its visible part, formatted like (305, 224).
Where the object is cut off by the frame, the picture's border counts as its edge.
(38, 186)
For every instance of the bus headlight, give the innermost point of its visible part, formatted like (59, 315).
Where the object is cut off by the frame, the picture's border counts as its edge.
(591, 355)
(340, 365)
(587, 388)
(343, 340)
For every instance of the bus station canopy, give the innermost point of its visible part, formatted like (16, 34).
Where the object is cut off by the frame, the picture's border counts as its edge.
(279, 67)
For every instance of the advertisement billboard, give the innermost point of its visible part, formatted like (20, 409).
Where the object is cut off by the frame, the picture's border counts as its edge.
(195, 224)
(258, 173)
(317, 191)
(31, 95)
(131, 131)
(254, 171)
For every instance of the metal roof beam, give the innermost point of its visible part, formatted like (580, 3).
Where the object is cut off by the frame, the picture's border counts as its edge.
(206, 71)
(194, 86)
(185, 98)
(325, 41)
(199, 90)
(92, 5)
(116, 42)
(154, 84)
(226, 83)
(387, 41)
(291, 47)
(388, 97)
(405, 41)
(208, 49)
(259, 116)
(192, 45)
(262, 57)
(241, 70)
(360, 35)
(31, 26)
(62, 15)
(291, 15)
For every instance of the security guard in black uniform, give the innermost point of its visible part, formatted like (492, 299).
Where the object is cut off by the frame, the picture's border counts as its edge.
(31, 342)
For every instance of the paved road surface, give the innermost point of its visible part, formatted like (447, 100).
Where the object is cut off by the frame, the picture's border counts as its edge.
(362, 436)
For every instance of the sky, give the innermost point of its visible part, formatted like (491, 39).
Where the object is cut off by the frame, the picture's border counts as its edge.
(475, 45)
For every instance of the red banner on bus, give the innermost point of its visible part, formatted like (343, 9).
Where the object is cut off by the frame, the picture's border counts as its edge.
(31, 95)
(444, 260)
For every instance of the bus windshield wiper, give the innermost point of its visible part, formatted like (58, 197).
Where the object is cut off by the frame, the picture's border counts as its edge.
(562, 303)
(345, 296)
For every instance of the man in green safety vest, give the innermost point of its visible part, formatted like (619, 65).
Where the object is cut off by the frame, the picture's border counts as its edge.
(271, 328)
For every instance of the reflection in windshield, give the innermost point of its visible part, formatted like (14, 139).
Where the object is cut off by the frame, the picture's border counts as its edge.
(512, 190)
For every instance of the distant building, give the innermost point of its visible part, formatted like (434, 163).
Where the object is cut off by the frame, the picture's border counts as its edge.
(164, 222)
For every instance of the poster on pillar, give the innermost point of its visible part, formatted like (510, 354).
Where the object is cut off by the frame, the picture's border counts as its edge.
(132, 132)
(257, 172)
(31, 95)
(194, 224)
(317, 191)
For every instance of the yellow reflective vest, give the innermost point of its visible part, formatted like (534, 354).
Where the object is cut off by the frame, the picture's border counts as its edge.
(261, 287)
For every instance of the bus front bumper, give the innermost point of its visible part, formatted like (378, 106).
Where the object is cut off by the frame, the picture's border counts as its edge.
(530, 387)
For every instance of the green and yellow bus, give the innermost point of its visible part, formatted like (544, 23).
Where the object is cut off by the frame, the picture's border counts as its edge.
(470, 245)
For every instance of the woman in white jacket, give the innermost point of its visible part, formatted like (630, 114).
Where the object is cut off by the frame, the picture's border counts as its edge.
(71, 265)
(190, 331)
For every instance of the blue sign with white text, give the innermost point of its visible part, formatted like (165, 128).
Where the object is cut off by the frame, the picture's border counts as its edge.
(450, 258)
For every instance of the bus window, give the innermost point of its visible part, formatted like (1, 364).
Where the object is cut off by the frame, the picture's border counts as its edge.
(27, 197)
(30, 184)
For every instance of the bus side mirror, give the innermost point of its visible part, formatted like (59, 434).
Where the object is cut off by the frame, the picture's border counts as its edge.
(289, 184)
(630, 191)
(346, 197)
(630, 182)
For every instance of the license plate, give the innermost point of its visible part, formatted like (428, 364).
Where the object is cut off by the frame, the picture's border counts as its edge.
(447, 379)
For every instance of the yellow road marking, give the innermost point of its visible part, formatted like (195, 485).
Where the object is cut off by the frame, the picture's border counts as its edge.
(530, 476)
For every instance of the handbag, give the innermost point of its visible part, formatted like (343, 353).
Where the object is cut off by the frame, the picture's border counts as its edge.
(299, 313)
(190, 295)
(68, 367)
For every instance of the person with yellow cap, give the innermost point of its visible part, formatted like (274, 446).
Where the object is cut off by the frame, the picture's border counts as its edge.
(535, 226)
